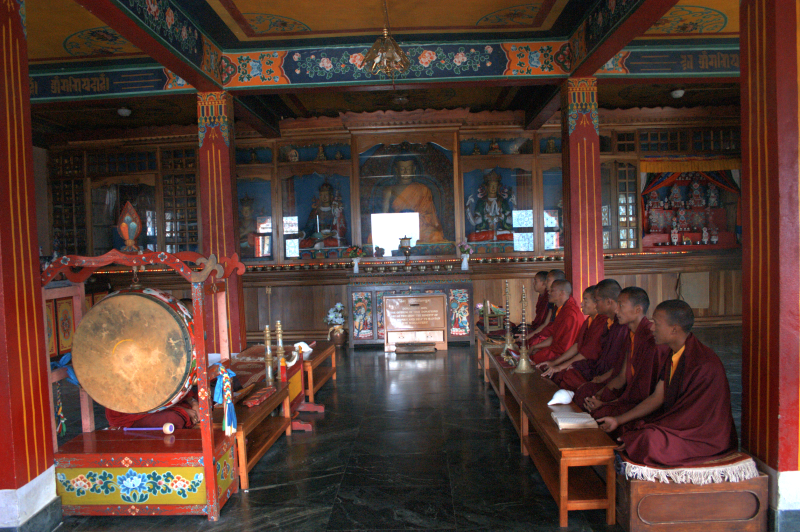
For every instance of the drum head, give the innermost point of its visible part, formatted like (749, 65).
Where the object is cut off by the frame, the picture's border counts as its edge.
(132, 353)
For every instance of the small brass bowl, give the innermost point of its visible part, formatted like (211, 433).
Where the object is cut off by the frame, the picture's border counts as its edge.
(392, 269)
(448, 267)
(368, 269)
(315, 266)
(422, 267)
(436, 267)
(381, 269)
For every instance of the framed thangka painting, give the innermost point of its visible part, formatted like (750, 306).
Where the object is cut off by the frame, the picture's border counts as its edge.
(255, 218)
(498, 209)
(406, 190)
(316, 216)
(65, 324)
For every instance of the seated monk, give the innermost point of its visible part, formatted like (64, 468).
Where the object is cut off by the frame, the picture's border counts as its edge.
(561, 334)
(552, 275)
(587, 346)
(540, 287)
(591, 375)
(687, 419)
(638, 376)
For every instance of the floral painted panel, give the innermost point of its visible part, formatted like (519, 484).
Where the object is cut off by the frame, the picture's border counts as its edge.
(117, 485)
(379, 297)
(362, 315)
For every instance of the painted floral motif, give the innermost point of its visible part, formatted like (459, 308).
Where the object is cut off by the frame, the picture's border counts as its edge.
(523, 15)
(134, 488)
(265, 23)
(541, 59)
(563, 57)
(127, 462)
(169, 23)
(690, 19)
(355, 59)
(426, 57)
(459, 58)
(262, 68)
(325, 63)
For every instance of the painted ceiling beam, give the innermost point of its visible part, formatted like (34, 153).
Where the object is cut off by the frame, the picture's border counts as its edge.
(607, 31)
(167, 35)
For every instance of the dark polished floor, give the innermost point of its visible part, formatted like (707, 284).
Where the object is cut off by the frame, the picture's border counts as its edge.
(408, 442)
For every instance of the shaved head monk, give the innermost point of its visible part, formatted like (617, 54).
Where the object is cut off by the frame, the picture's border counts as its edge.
(552, 276)
(563, 331)
(638, 375)
(587, 346)
(687, 419)
(540, 287)
(596, 373)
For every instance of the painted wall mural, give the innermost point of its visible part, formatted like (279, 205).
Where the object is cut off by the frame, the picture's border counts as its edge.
(690, 19)
(263, 23)
(102, 41)
(362, 315)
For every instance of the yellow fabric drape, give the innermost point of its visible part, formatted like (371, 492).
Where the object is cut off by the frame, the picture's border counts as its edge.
(691, 164)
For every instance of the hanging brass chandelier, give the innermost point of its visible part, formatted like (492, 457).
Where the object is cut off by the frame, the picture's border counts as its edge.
(385, 55)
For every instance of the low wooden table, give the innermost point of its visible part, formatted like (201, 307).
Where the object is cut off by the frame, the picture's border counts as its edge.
(317, 375)
(554, 452)
(256, 431)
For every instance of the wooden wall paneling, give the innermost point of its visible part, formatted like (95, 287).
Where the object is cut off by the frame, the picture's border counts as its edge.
(277, 212)
(252, 307)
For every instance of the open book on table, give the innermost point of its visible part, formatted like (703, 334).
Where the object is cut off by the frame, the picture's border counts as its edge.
(573, 420)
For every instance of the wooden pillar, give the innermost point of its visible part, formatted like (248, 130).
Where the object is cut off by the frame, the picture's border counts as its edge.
(219, 207)
(580, 156)
(771, 241)
(26, 453)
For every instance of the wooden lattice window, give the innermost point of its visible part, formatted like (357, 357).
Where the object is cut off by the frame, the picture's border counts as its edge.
(179, 181)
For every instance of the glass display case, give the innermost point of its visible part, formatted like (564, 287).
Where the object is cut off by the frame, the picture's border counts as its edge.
(498, 210)
(255, 218)
(406, 190)
(316, 216)
(553, 215)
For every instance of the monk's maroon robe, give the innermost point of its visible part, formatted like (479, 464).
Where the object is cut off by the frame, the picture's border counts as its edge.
(589, 342)
(695, 423)
(612, 355)
(541, 310)
(641, 372)
(563, 331)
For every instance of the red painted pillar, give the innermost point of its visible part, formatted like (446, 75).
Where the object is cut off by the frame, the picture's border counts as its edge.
(26, 452)
(771, 237)
(219, 210)
(580, 156)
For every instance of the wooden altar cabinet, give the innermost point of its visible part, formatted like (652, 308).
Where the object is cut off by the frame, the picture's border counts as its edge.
(365, 302)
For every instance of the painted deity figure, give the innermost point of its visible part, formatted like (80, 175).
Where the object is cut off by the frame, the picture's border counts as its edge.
(655, 222)
(696, 199)
(410, 196)
(675, 197)
(489, 209)
(713, 195)
(653, 200)
(683, 221)
(326, 226)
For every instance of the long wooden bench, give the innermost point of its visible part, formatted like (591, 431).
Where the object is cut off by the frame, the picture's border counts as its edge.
(316, 374)
(565, 459)
(256, 431)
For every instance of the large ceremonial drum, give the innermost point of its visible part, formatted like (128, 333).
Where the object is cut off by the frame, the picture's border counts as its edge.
(134, 351)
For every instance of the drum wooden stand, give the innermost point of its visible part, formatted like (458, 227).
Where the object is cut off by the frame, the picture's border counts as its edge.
(109, 472)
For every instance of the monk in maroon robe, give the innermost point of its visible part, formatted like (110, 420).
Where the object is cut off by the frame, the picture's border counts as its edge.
(540, 287)
(687, 419)
(535, 335)
(596, 373)
(563, 332)
(637, 379)
(587, 346)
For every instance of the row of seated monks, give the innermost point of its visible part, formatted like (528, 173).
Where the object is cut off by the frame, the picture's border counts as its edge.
(652, 385)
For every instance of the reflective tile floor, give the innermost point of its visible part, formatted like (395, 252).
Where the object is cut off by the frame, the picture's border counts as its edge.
(406, 442)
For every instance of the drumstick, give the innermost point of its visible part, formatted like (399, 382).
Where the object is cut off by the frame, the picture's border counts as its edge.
(168, 428)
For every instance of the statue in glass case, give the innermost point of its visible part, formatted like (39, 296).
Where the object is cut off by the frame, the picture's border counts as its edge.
(407, 195)
(491, 212)
(326, 226)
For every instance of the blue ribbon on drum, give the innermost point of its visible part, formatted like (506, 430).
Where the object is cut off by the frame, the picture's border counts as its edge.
(223, 394)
